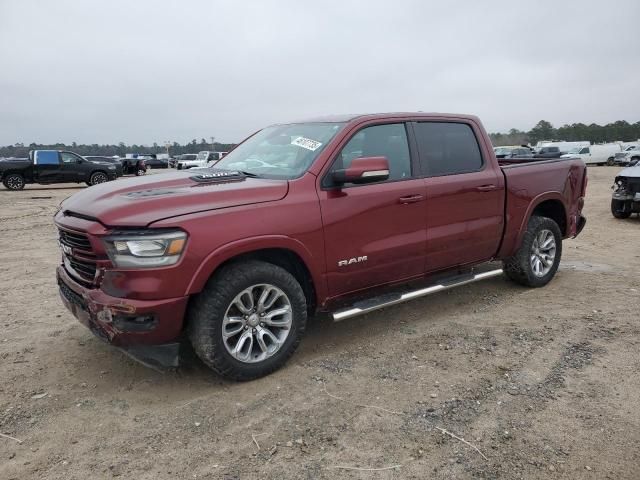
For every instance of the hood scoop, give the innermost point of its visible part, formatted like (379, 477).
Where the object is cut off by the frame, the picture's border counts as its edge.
(219, 176)
(150, 193)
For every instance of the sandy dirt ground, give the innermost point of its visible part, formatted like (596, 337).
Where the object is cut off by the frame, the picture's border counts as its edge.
(541, 383)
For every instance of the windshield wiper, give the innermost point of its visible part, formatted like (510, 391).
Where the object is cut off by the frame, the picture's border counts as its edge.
(249, 174)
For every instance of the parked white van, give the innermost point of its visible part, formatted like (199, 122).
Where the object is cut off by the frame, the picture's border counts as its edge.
(564, 147)
(595, 154)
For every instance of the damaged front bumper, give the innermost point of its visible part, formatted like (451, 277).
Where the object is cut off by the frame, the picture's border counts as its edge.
(147, 330)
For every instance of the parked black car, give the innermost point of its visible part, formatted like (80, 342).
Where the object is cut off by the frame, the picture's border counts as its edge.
(156, 163)
(548, 152)
(54, 166)
(102, 159)
(513, 152)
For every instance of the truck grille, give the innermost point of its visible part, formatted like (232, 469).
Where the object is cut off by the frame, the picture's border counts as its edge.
(75, 240)
(80, 259)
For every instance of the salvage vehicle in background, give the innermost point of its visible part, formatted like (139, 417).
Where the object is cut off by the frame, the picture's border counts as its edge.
(603, 154)
(548, 152)
(346, 214)
(202, 159)
(55, 166)
(154, 162)
(188, 160)
(519, 151)
(133, 166)
(630, 154)
(626, 191)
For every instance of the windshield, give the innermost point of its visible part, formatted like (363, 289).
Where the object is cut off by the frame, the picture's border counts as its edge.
(281, 151)
(575, 150)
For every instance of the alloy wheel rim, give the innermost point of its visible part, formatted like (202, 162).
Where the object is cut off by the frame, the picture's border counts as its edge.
(14, 182)
(543, 253)
(99, 178)
(257, 323)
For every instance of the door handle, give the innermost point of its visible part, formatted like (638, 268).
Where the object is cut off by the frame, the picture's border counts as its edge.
(486, 188)
(411, 199)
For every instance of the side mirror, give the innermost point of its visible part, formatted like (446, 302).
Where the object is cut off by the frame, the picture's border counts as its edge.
(363, 170)
(78, 161)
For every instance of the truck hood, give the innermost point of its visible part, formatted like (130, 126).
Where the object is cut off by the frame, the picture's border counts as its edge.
(138, 202)
(630, 172)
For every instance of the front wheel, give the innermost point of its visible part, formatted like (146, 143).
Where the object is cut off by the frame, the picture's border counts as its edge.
(536, 261)
(97, 178)
(248, 320)
(140, 172)
(618, 210)
(14, 181)
(610, 161)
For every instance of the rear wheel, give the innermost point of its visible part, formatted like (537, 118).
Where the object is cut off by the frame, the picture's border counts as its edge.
(618, 210)
(140, 171)
(14, 181)
(98, 177)
(536, 261)
(248, 320)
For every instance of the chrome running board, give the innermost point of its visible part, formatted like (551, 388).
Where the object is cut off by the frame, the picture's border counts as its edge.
(376, 303)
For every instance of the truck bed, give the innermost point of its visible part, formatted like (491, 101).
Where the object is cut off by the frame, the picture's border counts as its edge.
(529, 181)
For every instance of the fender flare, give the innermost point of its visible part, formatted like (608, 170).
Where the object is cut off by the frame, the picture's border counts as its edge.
(247, 245)
(543, 197)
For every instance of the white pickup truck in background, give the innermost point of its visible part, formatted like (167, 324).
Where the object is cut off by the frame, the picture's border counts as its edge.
(202, 159)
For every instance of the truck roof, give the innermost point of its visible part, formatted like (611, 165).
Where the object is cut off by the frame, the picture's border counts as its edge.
(374, 116)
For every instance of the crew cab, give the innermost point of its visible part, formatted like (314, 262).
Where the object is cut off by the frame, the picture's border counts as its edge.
(345, 214)
(55, 166)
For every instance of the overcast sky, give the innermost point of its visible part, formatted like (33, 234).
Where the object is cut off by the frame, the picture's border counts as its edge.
(148, 71)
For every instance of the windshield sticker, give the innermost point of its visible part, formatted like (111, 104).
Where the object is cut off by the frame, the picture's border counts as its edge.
(306, 143)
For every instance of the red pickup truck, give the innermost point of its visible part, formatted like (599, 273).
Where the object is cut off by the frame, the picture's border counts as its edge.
(345, 214)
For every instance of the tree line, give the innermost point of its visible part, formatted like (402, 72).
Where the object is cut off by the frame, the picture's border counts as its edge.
(121, 149)
(544, 130)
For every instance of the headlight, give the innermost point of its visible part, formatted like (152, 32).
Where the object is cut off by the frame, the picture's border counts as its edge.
(146, 249)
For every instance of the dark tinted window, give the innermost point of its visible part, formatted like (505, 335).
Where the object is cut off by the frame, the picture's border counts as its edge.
(447, 148)
(388, 141)
(47, 157)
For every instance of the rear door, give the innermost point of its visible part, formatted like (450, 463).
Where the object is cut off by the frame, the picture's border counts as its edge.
(47, 167)
(374, 233)
(465, 194)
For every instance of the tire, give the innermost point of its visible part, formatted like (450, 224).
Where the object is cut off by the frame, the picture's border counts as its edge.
(610, 162)
(140, 172)
(97, 178)
(617, 209)
(215, 310)
(521, 268)
(13, 181)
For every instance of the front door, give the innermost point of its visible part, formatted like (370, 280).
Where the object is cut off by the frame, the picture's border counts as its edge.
(74, 168)
(465, 195)
(374, 233)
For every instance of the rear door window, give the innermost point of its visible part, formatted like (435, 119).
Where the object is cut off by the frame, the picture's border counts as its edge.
(47, 158)
(447, 148)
